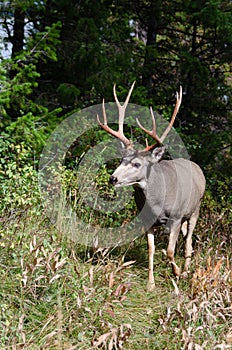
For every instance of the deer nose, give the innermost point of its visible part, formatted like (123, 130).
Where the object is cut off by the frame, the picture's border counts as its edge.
(113, 180)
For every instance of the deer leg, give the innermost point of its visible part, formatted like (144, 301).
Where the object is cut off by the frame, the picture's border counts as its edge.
(188, 243)
(151, 251)
(174, 233)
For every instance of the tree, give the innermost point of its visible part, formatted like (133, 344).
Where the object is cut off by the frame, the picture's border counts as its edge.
(161, 44)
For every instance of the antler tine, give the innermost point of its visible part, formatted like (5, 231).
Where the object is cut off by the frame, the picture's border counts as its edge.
(104, 125)
(153, 133)
(121, 110)
(177, 107)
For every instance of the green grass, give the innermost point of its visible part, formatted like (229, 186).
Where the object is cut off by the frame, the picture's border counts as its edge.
(57, 295)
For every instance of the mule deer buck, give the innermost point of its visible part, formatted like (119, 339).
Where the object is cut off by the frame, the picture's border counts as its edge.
(168, 191)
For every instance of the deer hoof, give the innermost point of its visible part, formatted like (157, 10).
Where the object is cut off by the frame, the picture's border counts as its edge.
(150, 286)
(185, 274)
(176, 269)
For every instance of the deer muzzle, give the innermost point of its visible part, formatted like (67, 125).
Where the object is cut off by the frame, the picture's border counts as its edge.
(113, 180)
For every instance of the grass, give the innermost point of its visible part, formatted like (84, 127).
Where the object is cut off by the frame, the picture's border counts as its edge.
(57, 295)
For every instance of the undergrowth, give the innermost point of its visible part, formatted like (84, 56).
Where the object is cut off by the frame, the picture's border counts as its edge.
(58, 295)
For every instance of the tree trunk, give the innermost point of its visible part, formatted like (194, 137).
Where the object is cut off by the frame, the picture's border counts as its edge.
(149, 60)
(18, 34)
(189, 89)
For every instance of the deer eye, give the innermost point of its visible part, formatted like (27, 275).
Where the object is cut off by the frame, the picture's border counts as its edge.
(136, 165)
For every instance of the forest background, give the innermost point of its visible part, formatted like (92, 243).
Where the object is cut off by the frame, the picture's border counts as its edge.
(59, 57)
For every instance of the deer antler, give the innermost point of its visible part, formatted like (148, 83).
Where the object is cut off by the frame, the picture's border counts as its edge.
(152, 133)
(121, 115)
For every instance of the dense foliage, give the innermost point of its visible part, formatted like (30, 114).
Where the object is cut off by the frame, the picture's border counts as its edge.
(66, 55)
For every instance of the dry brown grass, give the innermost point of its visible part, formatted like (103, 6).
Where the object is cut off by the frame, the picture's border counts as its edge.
(55, 295)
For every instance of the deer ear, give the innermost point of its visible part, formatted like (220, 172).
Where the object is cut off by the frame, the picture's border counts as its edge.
(158, 153)
(121, 147)
(124, 150)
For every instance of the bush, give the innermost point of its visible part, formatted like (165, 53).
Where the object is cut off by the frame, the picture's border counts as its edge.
(18, 176)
